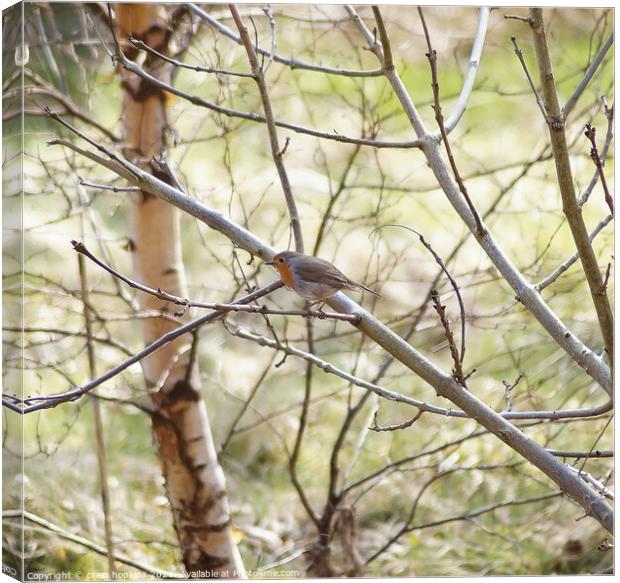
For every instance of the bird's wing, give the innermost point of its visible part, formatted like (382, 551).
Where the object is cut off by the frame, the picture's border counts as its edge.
(324, 272)
(321, 271)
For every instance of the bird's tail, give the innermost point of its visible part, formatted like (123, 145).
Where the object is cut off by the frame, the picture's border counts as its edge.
(362, 286)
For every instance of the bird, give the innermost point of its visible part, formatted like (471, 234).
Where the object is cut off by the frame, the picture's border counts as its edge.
(313, 278)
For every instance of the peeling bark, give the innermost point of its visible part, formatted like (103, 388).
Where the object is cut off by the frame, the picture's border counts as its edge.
(195, 483)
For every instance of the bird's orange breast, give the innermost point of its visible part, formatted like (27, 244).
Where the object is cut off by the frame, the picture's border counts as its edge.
(286, 273)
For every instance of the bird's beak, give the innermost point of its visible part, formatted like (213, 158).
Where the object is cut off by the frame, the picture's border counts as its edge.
(268, 262)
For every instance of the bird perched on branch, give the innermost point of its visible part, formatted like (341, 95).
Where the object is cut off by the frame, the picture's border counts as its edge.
(312, 278)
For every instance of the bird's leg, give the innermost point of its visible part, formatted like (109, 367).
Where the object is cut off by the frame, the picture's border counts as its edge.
(321, 303)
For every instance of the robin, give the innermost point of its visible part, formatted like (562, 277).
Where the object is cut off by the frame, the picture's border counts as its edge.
(312, 278)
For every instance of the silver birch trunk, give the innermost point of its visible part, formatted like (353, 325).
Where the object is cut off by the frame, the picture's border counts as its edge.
(195, 483)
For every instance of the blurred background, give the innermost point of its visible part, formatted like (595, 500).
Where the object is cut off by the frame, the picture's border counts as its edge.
(439, 498)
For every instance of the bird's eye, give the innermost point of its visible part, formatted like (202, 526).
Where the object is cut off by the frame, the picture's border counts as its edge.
(281, 260)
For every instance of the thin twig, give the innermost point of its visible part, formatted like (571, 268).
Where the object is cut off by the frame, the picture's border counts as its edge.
(388, 60)
(609, 114)
(590, 133)
(197, 68)
(472, 514)
(441, 312)
(597, 453)
(289, 62)
(187, 303)
(255, 117)
(396, 426)
(329, 368)
(30, 404)
(90, 184)
(542, 284)
(97, 414)
(274, 42)
(276, 151)
(515, 17)
(596, 62)
(598, 485)
(606, 278)
(65, 101)
(99, 549)
(508, 388)
(432, 59)
(246, 404)
(519, 54)
(92, 142)
(598, 438)
(472, 70)
(293, 458)
(455, 286)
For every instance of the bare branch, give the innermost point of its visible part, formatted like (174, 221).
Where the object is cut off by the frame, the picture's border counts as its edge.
(590, 133)
(590, 479)
(30, 404)
(276, 152)
(519, 54)
(609, 114)
(432, 59)
(541, 285)
(199, 101)
(329, 368)
(597, 453)
(411, 358)
(594, 65)
(197, 68)
(71, 107)
(397, 426)
(473, 514)
(571, 209)
(289, 62)
(97, 416)
(472, 70)
(527, 294)
(99, 549)
(90, 184)
(515, 17)
(456, 359)
(187, 303)
(455, 287)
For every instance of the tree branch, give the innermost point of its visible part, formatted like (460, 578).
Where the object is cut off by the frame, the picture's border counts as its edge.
(555, 123)
(432, 59)
(197, 68)
(542, 284)
(527, 294)
(444, 384)
(99, 549)
(187, 303)
(30, 404)
(329, 368)
(596, 63)
(609, 114)
(276, 151)
(254, 117)
(590, 133)
(539, 100)
(289, 62)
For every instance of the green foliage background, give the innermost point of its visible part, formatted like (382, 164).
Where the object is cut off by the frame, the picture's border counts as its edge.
(226, 164)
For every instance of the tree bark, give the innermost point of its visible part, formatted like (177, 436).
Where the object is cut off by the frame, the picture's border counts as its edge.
(195, 483)
(572, 210)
